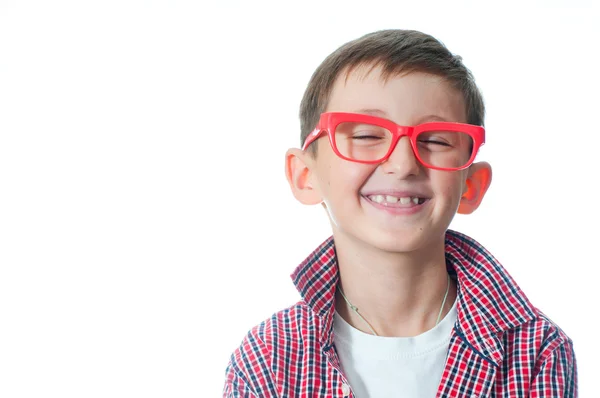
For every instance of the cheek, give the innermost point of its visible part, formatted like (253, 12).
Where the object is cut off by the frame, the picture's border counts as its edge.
(448, 186)
(342, 178)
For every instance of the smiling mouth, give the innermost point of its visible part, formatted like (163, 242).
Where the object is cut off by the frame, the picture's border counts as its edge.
(395, 201)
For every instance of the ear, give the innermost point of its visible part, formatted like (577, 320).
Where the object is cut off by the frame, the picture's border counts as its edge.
(477, 184)
(299, 175)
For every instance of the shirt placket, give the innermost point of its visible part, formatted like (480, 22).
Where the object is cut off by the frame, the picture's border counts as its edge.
(342, 386)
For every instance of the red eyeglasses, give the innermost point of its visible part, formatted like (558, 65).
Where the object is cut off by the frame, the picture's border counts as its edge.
(371, 139)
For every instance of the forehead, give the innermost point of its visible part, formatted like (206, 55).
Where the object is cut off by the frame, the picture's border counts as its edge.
(406, 98)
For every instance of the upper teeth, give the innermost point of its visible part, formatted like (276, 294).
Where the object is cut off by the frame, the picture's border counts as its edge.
(394, 199)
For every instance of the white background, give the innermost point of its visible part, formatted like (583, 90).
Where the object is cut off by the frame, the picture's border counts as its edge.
(145, 221)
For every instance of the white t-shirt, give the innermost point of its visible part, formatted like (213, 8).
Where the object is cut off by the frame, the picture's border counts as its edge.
(379, 367)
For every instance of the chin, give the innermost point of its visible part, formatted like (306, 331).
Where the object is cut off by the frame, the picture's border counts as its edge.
(404, 241)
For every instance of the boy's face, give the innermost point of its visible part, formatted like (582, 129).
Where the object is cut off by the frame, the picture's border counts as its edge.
(347, 188)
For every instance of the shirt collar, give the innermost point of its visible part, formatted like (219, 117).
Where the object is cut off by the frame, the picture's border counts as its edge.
(489, 301)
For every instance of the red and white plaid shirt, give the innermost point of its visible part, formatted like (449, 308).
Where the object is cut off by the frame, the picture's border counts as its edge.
(501, 345)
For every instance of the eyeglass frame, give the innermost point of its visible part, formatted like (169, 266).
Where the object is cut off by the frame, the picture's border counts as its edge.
(328, 122)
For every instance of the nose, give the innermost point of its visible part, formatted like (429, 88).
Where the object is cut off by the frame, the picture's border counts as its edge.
(402, 160)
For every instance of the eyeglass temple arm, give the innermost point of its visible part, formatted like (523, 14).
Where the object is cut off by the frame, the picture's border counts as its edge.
(311, 137)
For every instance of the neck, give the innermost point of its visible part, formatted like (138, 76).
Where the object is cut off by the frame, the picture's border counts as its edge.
(399, 294)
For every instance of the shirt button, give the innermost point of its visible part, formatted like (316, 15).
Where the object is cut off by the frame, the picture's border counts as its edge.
(345, 389)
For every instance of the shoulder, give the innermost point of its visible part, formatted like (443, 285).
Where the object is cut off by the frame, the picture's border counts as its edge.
(271, 339)
(284, 324)
(281, 353)
(550, 335)
(542, 337)
(542, 354)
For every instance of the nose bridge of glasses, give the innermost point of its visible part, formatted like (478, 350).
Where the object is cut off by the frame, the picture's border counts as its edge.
(402, 145)
(402, 131)
(405, 132)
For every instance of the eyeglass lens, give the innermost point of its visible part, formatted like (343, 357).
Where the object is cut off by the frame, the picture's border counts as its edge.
(368, 142)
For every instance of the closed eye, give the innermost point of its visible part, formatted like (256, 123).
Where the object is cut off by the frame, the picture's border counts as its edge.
(366, 137)
(434, 142)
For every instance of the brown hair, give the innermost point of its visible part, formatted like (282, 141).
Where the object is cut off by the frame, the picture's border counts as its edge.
(396, 51)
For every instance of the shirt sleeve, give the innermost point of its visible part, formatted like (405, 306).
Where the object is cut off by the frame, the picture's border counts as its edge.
(235, 385)
(557, 376)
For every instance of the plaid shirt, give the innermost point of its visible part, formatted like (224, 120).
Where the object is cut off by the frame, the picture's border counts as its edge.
(500, 346)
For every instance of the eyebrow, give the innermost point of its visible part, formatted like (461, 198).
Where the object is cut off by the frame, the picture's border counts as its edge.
(431, 118)
(382, 113)
(373, 112)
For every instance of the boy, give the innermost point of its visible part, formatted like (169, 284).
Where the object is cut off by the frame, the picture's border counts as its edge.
(395, 304)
